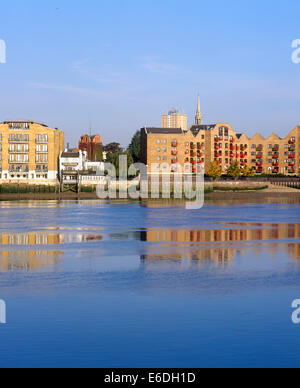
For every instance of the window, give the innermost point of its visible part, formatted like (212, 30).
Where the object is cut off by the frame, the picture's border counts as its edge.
(42, 138)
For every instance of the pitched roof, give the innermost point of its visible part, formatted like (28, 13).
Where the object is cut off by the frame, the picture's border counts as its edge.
(164, 131)
(70, 155)
(21, 121)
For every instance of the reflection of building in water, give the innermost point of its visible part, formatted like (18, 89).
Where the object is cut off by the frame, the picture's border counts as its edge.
(221, 256)
(239, 233)
(28, 260)
(45, 238)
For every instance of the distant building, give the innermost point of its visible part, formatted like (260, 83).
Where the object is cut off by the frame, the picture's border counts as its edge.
(29, 152)
(93, 146)
(174, 119)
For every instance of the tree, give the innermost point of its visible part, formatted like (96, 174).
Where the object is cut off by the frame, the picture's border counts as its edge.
(98, 153)
(112, 148)
(248, 172)
(135, 147)
(234, 170)
(114, 159)
(214, 171)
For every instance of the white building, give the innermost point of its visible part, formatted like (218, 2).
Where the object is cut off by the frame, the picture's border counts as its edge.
(75, 166)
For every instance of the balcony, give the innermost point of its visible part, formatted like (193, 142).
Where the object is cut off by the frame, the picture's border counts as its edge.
(18, 141)
(174, 144)
(275, 149)
(292, 171)
(193, 161)
(193, 146)
(275, 171)
(292, 155)
(174, 160)
(259, 149)
(18, 161)
(18, 152)
(174, 153)
(292, 141)
(292, 148)
(292, 164)
(275, 164)
(275, 156)
(193, 154)
(259, 156)
(259, 171)
(199, 147)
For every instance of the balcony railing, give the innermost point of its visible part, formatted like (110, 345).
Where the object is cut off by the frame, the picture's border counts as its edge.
(18, 141)
(18, 152)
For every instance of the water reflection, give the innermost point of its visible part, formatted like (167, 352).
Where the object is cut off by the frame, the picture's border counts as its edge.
(44, 238)
(221, 246)
(235, 232)
(29, 260)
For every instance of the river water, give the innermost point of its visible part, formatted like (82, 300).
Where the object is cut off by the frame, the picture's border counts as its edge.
(99, 284)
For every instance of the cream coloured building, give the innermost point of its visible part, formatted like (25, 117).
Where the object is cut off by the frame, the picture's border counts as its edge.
(29, 152)
(174, 119)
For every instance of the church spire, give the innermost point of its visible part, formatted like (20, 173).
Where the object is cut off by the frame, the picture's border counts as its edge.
(198, 120)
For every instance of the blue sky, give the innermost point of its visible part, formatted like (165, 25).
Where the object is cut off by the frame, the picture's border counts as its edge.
(120, 64)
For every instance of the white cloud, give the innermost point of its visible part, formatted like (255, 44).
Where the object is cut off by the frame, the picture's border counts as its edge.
(65, 88)
(101, 74)
(154, 66)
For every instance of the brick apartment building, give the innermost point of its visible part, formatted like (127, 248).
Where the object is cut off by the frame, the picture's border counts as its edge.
(29, 151)
(203, 144)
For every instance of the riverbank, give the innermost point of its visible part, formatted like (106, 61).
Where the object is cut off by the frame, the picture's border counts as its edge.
(218, 194)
